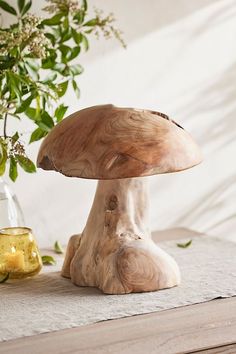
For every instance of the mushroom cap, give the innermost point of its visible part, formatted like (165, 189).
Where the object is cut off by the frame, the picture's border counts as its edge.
(108, 142)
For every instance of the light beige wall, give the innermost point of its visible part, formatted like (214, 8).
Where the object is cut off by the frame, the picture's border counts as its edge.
(181, 59)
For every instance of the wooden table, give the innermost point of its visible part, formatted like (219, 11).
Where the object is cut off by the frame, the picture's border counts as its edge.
(209, 327)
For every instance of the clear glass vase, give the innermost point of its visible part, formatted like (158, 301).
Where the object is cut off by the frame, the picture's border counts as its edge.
(10, 210)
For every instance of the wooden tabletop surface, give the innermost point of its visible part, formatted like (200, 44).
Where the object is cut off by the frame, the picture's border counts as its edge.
(209, 327)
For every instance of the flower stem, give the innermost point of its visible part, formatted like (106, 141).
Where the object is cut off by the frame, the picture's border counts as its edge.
(5, 126)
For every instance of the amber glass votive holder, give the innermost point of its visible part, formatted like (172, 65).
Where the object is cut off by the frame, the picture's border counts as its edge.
(19, 254)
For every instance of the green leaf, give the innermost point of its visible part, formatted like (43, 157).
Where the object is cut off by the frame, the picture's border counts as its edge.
(76, 88)
(65, 52)
(50, 78)
(91, 23)
(46, 123)
(66, 23)
(48, 260)
(74, 53)
(26, 8)
(48, 96)
(51, 37)
(60, 67)
(21, 78)
(53, 21)
(21, 4)
(4, 277)
(7, 64)
(2, 167)
(4, 57)
(15, 137)
(58, 248)
(47, 119)
(85, 5)
(62, 88)
(6, 7)
(37, 135)
(184, 245)
(66, 35)
(60, 112)
(77, 36)
(76, 69)
(32, 113)
(14, 86)
(44, 127)
(34, 63)
(85, 42)
(13, 173)
(48, 63)
(3, 158)
(26, 163)
(33, 72)
(79, 17)
(25, 104)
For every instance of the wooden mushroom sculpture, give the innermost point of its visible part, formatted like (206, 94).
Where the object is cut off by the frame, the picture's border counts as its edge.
(115, 251)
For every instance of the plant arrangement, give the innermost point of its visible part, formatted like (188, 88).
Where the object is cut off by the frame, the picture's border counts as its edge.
(38, 65)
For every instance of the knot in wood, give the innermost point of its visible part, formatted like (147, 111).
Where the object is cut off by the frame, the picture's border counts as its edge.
(113, 202)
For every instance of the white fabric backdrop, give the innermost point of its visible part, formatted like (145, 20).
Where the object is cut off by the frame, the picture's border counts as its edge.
(181, 60)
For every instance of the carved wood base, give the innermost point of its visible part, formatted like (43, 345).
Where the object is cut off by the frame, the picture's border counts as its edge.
(115, 252)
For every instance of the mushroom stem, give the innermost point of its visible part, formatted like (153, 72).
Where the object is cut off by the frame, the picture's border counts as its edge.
(115, 251)
(123, 202)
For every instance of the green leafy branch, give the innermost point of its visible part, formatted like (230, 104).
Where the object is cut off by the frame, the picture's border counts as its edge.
(38, 65)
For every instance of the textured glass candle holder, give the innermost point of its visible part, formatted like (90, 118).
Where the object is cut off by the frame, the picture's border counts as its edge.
(19, 254)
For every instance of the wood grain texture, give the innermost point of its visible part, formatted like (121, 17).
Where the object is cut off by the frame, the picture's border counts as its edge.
(190, 329)
(115, 251)
(224, 349)
(107, 142)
